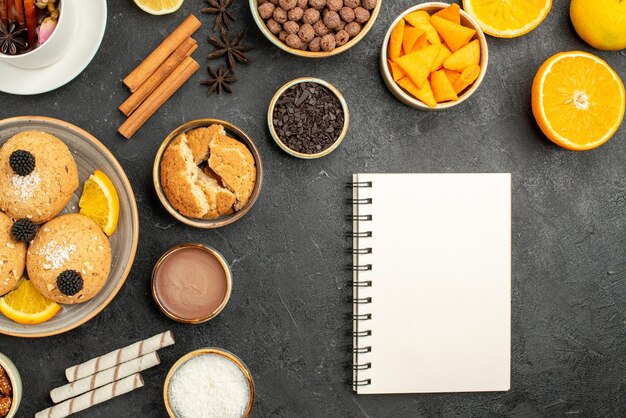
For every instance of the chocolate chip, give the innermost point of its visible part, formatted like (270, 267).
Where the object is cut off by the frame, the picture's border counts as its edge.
(308, 118)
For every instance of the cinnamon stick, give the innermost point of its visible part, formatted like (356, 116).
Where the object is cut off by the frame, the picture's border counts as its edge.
(19, 12)
(184, 50)
(149, 65)
(160, 95)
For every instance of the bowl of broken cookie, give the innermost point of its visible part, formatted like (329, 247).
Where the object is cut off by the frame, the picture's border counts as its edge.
(208, 173)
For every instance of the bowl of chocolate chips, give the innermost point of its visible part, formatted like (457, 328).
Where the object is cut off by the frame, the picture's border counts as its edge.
(315, 28)
(308, 118)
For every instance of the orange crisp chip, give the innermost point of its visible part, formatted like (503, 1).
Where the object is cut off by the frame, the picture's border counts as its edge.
(455, 36)
(417, 64)
(395, 40)
(442, 88)
(467, 77)
(451, 13)
(421, 43)
(410, 38)
(416, 18)
(396, 71)
(421, 20)
(425, 94)
(464, 57)
(444, 53)
(452, 75)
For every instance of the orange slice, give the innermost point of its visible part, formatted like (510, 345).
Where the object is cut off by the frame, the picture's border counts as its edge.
(425, 94)
(510, 18)
(395, 40)
(100, 202)
(578, 100)
(455, 36)
(442, 88)
(25, 305)
(417, 64)
(464, 57)
(159, 7)
(451, 13)
(467, 77)
(396, 71)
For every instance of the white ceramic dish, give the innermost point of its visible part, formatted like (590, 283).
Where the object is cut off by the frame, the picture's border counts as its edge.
(90, 154)
(57, 45)
(91, 17)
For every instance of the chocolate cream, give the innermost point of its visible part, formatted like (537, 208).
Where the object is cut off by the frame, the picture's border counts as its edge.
(190, 283)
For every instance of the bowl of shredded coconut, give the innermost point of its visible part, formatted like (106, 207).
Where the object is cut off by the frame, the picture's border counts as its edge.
(209, 383)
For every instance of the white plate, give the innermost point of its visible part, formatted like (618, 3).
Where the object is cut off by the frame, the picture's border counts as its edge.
(92, 20)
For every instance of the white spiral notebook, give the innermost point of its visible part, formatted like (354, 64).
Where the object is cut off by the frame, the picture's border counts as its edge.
(432, 283)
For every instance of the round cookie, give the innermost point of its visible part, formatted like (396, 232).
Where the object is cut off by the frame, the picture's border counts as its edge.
(12, 256)
(41, 194)
(74, 247)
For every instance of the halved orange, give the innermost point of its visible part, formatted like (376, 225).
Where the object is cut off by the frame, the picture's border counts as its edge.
(25, 305)
(510, 18)
(578, 100)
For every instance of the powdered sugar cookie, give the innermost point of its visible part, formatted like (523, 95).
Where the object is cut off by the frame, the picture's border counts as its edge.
(69, 260)
(38, 176)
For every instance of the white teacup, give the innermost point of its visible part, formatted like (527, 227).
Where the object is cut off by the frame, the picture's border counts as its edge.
(55, 47)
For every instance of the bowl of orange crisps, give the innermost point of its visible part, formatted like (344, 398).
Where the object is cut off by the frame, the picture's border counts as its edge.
(434, 56)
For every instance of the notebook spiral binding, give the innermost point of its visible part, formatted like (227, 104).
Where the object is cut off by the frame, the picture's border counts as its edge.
(358, 317)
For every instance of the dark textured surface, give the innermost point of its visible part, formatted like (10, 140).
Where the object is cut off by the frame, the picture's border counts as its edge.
(286, 318)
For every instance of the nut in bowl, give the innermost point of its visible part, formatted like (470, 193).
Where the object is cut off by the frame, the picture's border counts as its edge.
(208, 173)
(315, 28)
(308, 118)
(10, 388)
(434, 56)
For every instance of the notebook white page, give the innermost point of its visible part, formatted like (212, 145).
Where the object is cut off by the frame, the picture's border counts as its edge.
(441, 282)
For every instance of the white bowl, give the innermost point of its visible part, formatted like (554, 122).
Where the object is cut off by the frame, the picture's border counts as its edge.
(406, 98)
(55, 47)
(16, 384)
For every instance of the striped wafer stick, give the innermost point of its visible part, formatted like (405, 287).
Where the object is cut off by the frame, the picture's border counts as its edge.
(92, 398)
(119, 356)
(106, 376)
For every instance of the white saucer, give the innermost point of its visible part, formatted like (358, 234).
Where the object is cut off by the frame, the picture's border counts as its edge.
(92, 20)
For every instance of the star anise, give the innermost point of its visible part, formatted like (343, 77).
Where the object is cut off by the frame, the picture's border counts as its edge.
(11, 41)
(219, 80)
(219, 8)
(231, 48)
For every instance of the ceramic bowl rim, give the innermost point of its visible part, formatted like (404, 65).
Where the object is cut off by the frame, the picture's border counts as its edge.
(14, 376)
(8, 57)
(134, 215)
(242, 137)
(404, 97)
(202, 351)
(310, 54)
(335, 91)
(229, 282)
